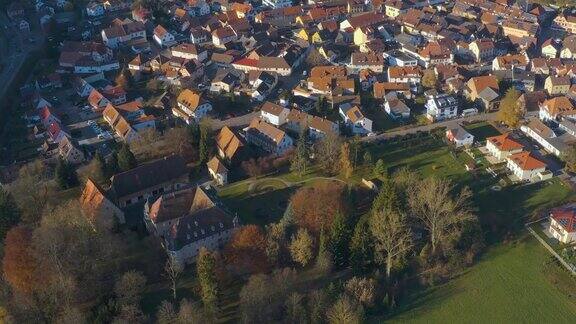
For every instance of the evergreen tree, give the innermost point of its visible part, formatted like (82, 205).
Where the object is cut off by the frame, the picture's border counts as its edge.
(204, 144)
(367, 158)
(112, 166)
(379, 169)
(339, 240)
(100, 172)
(300, 160)
(206, 268)
(194, 133)
(65, 174)
(388, 197)
(126, 159)
(324, 261)
(9, 212)
(362, 248)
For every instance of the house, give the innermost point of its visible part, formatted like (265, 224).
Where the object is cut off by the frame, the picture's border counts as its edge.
(128, 119)
(484, 90)
(218, 171)
(399, 58)
(459, 137)
(526, 167)
(553, 108)
(70, 152)
(98, 205)
(189, 52)
(441, 106)
(519, 28)
(199, 36)
(507, 62)
(551, 48)
(563, 224)
(230, 146)
(502, 146)
(268, 137)
(317, 127)
(274, 114)
(97, 101)
(355, 119)
(380, 89)
(223, 35)
(162, 37)
(565, 21)
(547, 138)
(262, 83)
(191, 106)
(226, 80)
(123, 31)
(405, 74)
(556, 85)
(568, 47)
(149, 180)
(482, 49)
(371, 61)
(189, 220)
(23, 26)
(395, 107)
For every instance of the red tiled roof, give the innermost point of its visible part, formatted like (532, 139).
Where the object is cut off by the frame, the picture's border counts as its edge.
(566, 217)
(504, 142)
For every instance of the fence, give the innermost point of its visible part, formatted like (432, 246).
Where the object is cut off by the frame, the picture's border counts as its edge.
(566, 265)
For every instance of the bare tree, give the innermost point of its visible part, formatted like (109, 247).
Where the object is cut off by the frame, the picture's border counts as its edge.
(440, 209)
(173, 271)
(329, 152)
(392, 235)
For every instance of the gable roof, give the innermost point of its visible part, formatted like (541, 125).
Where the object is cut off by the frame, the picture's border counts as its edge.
(566, 217)
(526, 161)
(216, 165)
(504, 142)
(148, 175)
(228, 142)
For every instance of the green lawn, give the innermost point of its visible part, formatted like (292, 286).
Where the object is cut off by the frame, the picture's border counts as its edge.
(481, 130)
(512, 284)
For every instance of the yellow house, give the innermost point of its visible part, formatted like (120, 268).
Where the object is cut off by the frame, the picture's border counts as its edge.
(303, 34)
(362, 35)
(557, 85)
(317, 38)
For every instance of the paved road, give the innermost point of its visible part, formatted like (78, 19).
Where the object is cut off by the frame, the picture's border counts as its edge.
(448, 124)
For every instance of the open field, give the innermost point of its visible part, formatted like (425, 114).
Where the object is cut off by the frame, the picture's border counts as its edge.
(511, 284)
(482, 130)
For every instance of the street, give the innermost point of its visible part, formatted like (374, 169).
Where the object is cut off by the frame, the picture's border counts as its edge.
(448, 124)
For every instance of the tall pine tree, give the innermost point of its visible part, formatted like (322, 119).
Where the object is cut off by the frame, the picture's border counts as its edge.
(362, 248)
(339, 240)
(65, 174)
(126, 159)
(206, 268)
(300, 159)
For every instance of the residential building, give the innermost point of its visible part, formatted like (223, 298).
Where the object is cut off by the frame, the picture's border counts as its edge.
(162, 37)
(268, 137)
(405, 74)
(483, 49)
(563, 223)
(556, 107)
(556, 85)
(371, 61)
(189, 52)
(526, 167)
(502, 146)
(148, 180)
(276, 4)
(565, 21)
(551, 48)
(355, 119)
(547, 138)
(230, 146)
(395, 107)
(128, 119)
(189, 220)
(441, 106)
(484, 91)
(317, 127)
(459, 137)
(274, 114)
(191, 106)
(98, 205)
(218, 171)
(123, 31)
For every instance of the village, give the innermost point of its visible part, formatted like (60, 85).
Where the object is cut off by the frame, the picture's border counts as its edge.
(342, 161)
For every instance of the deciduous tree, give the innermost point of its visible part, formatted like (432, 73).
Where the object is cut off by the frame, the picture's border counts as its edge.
(300, 159)
(173, 271)
(440, 208)
(345, 311)
(246, 250)
(19, 264)
(129, 287)
(346, 167)
(429, 79)
(9, 212)
(379, 169)
(510, 112)
(328, 149)
(314, 214)
(393, 238)
(301, 247)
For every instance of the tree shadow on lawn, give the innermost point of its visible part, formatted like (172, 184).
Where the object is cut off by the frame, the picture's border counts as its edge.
(263, 208)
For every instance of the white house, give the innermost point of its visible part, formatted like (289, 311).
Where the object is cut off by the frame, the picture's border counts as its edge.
(191, 106)
(459, 136)
(502, 146)
(545, 136)
(526, 167)
(441, 106)
(274, 114)
(354, 118)
(395, 107)
(268, 137)
(162, 37)
(189, 52)
(563, 224)
(218, 171)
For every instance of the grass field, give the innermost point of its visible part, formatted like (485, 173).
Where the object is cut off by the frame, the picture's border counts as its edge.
(510, 285)
(481, 131)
